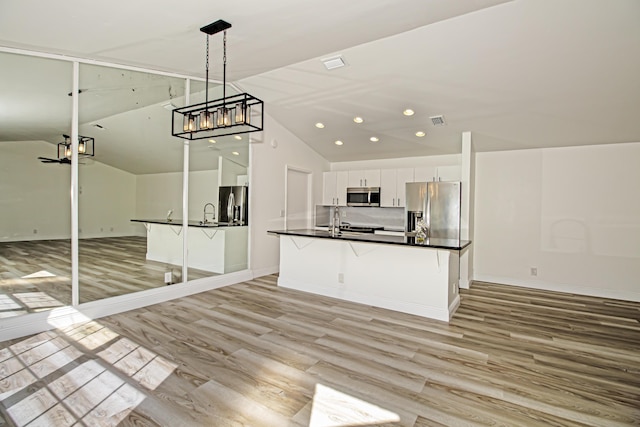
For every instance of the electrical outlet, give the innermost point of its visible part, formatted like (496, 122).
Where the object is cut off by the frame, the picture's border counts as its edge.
(344, 214)
(340, 277)
(35, 231)
(534, 271)
(101, 229)
(167, 278)
(111, 229)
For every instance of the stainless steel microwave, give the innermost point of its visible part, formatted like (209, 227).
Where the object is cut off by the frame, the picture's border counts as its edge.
(363, 196)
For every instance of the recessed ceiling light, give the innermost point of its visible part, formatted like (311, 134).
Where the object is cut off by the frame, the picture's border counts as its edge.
(420, 134)
(320, 125)
(358, 119)
(408, 112)
(235, 153)
(213, 141)
(374, 139)
(238, 137)
(338, 142)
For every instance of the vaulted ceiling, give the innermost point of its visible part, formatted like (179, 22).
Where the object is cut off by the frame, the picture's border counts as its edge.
(517, 74)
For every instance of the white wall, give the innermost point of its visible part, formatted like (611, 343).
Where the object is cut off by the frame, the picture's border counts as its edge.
(228, 171)
(266, 189)
(573, 213)
(36, 196)
(397, 163)
(158, 193)
(106, 201)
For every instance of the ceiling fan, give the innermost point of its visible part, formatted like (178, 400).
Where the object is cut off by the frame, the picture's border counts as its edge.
(85, 149)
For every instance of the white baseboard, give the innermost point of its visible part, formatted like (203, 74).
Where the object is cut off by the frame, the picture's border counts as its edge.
(562, 287)
(265, 271)
(454, 306)
(403, 307)
(32, 323)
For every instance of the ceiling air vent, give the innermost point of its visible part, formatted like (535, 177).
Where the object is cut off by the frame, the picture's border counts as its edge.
(437, 120)
(334, 62)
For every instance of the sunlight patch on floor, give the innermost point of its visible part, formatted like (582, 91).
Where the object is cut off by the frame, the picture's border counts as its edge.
(332, 408)
(39, 274)
(44, 380)
(37, 300)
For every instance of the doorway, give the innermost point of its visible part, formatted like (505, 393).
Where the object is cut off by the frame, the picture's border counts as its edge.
(298, 207)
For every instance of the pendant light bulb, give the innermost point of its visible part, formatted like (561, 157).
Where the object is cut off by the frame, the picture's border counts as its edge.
(82, 147)
(240, 112)
(206, 120)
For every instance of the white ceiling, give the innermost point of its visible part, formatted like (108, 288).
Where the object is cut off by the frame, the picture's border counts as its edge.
(517, 74)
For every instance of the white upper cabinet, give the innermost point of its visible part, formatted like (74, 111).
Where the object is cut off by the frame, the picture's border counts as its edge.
(334, 188)
(403, 176)
(364, 178)
(440, 173)
(424, 174)
(392, 186)
(449, 173)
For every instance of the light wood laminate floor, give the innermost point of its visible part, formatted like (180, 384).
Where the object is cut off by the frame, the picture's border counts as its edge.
(253, 354)
(36, 275)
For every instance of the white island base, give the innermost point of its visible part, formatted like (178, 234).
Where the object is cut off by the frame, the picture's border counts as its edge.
(215, 249)
(415, 280)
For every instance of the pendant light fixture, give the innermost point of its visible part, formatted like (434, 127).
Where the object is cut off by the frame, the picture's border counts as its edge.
(65, 149)
(85, 147)
(233, 115)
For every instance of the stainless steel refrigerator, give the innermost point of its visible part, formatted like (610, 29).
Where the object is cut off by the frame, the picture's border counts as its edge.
(438, 204)
(233, 204)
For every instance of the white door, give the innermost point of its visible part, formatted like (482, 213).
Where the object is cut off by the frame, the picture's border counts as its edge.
(298, 211)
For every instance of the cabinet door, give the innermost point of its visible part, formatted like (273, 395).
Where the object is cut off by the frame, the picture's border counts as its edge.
(356, 179)
(371, 178)
(342, 178)
(448, 173)
(402, 177)
(329, 188)
(388, 188)
(424, 174)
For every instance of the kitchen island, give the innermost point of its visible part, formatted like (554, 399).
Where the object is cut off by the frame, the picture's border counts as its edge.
(392, 272)
(215, 247)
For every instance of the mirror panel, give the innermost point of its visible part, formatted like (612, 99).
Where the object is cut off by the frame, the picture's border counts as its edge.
(35, 205)
(217, 243)
(136, 174)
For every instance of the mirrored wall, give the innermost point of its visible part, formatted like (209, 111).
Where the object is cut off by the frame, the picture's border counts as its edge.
(35, 204)
(130, 186)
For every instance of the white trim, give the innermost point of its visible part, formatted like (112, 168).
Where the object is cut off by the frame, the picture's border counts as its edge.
(185, 192)
(265, 271)
(75, 273)
(32, 323)
(68, 58)
(454, 306)
(561, 287)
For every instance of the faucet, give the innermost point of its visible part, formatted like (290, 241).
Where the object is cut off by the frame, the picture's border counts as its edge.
(335, 223)
(213, 214)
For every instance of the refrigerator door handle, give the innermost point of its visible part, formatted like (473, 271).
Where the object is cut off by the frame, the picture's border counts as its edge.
(369, 197)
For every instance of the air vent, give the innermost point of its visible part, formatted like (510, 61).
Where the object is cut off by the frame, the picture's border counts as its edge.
(334, 62)
(437, 120)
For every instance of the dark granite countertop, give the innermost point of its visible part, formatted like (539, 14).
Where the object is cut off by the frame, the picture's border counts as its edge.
(189, 223)
(433, 243)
